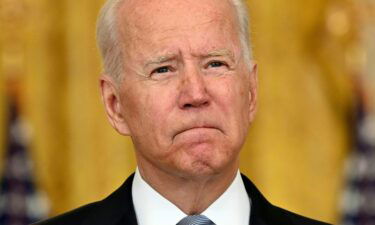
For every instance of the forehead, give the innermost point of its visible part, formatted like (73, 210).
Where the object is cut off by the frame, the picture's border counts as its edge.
(174, 9)
(141, 19)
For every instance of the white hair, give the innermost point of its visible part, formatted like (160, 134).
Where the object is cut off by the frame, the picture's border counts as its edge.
(108, 36)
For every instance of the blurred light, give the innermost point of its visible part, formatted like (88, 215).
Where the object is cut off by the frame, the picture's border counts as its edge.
(368, 131)
(338, 22)
(356, 58)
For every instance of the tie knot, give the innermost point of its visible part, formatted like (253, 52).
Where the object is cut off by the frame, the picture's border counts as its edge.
(195, 220)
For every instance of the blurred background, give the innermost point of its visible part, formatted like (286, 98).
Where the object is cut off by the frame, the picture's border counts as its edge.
(311, 148)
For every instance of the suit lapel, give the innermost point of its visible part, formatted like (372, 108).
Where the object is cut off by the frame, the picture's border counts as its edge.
(116, 209)
(262, 212)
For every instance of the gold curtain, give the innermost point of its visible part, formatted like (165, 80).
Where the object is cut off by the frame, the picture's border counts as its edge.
(296, 146)
(2, 110)
(79, 158)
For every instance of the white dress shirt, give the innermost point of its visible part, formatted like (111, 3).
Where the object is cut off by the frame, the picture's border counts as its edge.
(231, 208)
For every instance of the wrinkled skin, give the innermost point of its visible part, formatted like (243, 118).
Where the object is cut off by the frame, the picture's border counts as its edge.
(187, 96)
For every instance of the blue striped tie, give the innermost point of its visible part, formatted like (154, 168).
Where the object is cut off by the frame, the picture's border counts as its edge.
(195, 220)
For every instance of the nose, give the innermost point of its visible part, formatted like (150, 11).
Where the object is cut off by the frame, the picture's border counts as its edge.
(193, 90)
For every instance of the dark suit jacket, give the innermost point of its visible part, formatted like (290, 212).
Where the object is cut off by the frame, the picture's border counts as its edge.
(117, 209)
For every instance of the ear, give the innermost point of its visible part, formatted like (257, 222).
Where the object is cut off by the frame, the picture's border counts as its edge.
(253, 90)
(111, 98)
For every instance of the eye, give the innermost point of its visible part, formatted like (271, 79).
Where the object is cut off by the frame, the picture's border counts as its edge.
(163, 69)
(216, 64)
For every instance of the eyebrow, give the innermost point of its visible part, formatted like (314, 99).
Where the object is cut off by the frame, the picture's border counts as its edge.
(170, 57)
(220, 52)
(160, 59)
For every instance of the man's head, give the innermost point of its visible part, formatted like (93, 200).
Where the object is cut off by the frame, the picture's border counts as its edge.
(187, 88)
(109, 42)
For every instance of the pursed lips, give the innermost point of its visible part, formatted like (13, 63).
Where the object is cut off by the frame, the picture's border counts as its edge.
(196, 127)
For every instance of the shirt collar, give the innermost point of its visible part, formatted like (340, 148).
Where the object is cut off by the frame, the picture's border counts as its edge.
(232, 207)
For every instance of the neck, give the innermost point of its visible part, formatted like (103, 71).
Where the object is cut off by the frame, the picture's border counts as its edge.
(191, 195)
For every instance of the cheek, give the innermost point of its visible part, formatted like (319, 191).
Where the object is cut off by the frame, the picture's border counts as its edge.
(151, 106)
(158, 104)
(233, 96)
(242, 97)
(233, 100)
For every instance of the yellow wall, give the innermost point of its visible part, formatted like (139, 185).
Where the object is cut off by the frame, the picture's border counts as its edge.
(296, 146)
(2, 113)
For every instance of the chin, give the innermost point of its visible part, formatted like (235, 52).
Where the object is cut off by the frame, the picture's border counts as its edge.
(198, 173)
(200, 168)
(201, 160)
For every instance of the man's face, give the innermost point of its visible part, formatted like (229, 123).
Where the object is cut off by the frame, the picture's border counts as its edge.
(187, 96)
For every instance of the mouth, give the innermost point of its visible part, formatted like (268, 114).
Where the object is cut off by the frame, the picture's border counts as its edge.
(186, 129)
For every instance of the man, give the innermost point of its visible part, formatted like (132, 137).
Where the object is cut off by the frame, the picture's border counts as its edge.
(180, 80)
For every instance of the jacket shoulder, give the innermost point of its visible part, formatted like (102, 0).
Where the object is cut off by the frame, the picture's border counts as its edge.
(298, 219)
(116, 209)
(265, 213)
(74, 217)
